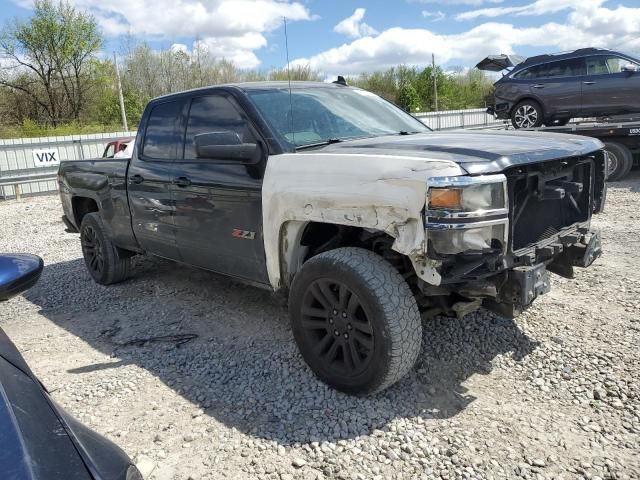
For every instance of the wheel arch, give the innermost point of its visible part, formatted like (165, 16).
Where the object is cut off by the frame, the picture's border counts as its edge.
(530, 98)
(81, 206)
(302, 240)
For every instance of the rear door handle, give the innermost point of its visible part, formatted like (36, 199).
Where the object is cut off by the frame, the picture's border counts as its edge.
(138, 179)
(182, 182)
(588, 83)
(539, 85)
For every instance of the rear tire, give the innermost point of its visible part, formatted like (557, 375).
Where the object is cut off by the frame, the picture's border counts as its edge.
(527, 114)
(355, 320)
(103, 260)
(620, 160)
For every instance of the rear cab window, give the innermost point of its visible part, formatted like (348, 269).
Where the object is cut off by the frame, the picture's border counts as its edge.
(163, 135)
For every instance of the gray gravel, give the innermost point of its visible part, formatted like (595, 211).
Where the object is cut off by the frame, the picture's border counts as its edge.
(554, 394)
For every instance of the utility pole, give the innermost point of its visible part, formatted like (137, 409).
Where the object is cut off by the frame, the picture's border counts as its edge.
(123, 113)
(435, 80)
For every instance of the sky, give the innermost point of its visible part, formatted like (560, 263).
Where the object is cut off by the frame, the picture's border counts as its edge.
(350, 37)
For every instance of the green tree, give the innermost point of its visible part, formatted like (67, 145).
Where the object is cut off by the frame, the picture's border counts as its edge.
(53, 49)
(408, 98)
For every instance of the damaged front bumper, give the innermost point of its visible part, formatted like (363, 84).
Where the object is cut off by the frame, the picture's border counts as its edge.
(501, 254)
(520, 286)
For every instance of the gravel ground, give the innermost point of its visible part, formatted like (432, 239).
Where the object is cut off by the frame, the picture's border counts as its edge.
(554, 394)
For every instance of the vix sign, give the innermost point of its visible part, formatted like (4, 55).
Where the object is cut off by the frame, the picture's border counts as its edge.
(46, 157)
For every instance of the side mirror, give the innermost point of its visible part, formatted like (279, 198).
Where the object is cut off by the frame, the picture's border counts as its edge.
(630, 67)
(18, 272)
(225, 145)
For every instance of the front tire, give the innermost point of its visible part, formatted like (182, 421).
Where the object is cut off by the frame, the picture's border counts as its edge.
(103, 260)
(355, 320)
(527, 114)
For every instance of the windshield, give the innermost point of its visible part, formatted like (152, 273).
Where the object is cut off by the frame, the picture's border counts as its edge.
(329, 114)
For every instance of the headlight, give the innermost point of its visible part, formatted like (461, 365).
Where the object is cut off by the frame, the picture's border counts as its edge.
(489, 196)
(467, 214)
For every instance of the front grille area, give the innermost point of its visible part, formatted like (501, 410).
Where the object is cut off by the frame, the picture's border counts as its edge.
(545, 198)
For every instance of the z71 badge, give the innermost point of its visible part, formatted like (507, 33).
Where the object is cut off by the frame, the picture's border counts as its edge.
(243, 234)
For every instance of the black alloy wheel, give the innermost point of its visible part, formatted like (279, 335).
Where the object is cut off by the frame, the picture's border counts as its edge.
(336, 323)
(355, 320)
(105, 262)
(93, 251)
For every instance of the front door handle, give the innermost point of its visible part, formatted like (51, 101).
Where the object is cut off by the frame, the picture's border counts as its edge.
(182, 182)
(589, 83)
(539, 85)
(137, 179)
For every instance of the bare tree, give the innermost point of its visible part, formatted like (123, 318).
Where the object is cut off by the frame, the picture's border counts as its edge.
(47, 58)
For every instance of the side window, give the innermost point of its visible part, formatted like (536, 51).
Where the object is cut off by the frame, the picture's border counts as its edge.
(537, 71)
(596, 65)
(110, 151)
(162, 135)
(577, 67)
(615, 64)
(524, 74)
(555, 69)
(562, 68)
(567, 68)
(213, 113)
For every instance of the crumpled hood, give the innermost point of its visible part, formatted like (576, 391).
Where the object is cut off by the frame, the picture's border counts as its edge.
(478, 152)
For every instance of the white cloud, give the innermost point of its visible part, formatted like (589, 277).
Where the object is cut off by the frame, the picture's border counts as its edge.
(434, 16)
(587, 25)
(539, 7)
(233, 29)
(354, 26)
(179, 47)
(457, 2)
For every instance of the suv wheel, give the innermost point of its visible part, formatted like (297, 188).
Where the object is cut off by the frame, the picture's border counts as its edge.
(526, 114)
(620, 160)
(355, 320)
(102, 258)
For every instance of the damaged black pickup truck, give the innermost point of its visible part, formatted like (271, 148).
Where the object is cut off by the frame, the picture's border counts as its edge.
(356, 210)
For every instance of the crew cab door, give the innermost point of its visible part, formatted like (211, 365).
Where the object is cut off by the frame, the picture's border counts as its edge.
(150, 177)
(608, 89)
(219, 202)
(557, 86)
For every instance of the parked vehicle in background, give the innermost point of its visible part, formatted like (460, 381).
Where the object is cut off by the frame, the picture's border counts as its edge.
(38, 439)
(348, 204)
(621, 138)
(126, 152)
(552, 89)
(115, 146)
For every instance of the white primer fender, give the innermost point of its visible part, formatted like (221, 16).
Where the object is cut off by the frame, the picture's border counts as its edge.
(378, 192)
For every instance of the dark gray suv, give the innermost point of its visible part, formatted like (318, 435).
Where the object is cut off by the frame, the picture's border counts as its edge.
(552, 89)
